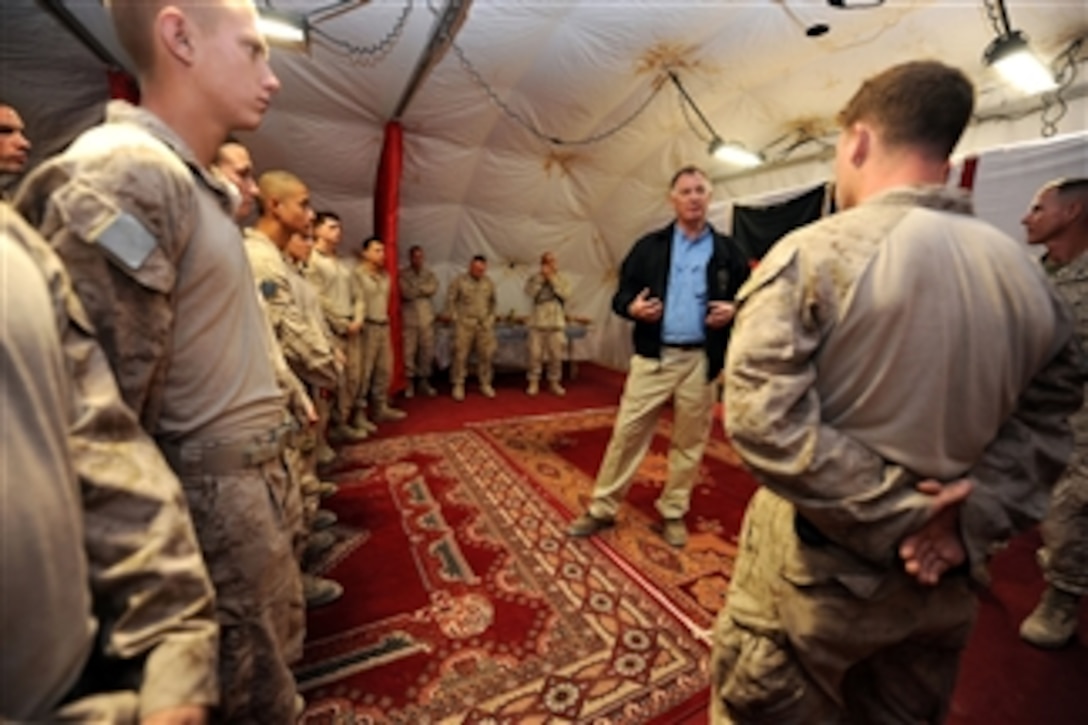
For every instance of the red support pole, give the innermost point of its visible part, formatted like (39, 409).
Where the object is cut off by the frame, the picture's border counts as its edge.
(386, 210)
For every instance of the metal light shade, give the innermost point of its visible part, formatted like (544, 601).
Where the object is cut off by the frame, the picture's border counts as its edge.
(283, 29)
(1012, 57)
(734, 154)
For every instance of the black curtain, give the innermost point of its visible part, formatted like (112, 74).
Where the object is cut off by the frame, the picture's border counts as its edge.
(756, 229)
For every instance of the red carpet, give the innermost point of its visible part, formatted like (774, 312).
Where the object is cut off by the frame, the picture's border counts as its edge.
(465, 601)
(559, 455)
(442, 552)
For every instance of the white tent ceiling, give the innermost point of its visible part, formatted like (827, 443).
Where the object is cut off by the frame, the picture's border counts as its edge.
(479, 181)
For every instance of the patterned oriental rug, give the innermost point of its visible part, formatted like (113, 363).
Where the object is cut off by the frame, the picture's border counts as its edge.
(560, 455)
(465, 602)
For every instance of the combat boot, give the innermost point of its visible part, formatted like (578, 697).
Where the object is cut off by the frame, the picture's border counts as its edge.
(360, 421)
(459, 392)
(385, 413)
(1054, 621)
(343, 433)
(323, 519)
(317, 544)
(557, 389)
(410, 390)
(319, 591)
(486, 390)
(325, 454)
(534, 387)
(426, 388)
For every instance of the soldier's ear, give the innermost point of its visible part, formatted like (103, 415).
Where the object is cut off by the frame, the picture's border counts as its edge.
(174, 32)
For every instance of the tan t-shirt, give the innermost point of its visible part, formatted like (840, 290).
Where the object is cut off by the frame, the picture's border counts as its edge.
(375, 290)
(332, 279)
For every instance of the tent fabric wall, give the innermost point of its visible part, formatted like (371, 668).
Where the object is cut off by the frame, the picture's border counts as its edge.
(476, 181)
(1007, 178)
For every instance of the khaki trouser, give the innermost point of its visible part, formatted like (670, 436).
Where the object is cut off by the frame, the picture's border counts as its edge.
(419, 351)
(472, 336)
(351, 380)
(1065, 530)
(681, 376)
(377, 366)
(548, 346)
(812, 634)
(244, 519)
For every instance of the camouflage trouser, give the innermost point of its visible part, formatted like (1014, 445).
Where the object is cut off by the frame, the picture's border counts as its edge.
(547, 346)
(377, 366)
(1065, 531)
(815, 635)
(323, 407)
(418, 351)
(348, 391)
(244, 520)
(471, 335)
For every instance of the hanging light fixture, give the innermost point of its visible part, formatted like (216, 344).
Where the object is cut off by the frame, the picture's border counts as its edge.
(291, 29)
(734, 154)
(730, 152)
(283, 29)
(1012, 57)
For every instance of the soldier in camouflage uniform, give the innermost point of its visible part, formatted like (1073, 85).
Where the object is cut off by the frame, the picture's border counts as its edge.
(297, 255)
(898, 440)
(373, 284)
(107, 603)
(335, 285)
(285, 211)
(1058, 218)
(418, 284)
(549, 291)
(146, 234)
(470, 304)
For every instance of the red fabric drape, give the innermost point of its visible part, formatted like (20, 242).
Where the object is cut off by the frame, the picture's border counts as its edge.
(123, 86)
(386, 209)
(967, 176)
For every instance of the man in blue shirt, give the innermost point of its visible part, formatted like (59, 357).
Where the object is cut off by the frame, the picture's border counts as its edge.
(676, 284)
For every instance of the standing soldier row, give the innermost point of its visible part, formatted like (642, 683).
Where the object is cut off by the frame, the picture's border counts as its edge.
(333, 281)
(147, 236)
(284, 212)
(549, 291)
(470, 305)
(418, 285)
(373, 288)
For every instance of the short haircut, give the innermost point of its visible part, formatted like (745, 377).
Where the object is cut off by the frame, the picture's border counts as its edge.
(371, 241)
(1073, 190)
(134, 23)
(414, 247)
(922, 104)
(1076, 185)
(323, 216)
(220, 153)
(479, 258)
(277, 184)
(686, 171)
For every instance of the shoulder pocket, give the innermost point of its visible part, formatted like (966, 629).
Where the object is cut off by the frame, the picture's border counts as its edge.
(768, 270)
(96, 219)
